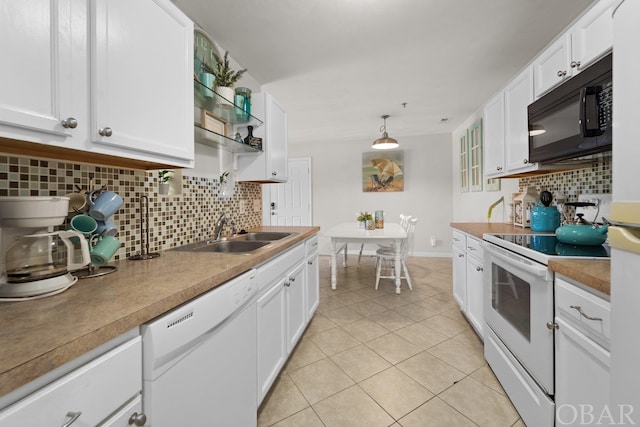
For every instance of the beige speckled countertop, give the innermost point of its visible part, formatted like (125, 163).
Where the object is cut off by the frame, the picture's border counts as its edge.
(595, 274)
(40, 335)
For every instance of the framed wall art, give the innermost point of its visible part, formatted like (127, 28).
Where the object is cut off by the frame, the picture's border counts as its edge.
(213, 123)
(383, 172)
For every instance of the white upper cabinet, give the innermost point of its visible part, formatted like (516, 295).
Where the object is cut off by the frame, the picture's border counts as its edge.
(589, 39)
(72, 70)
(592, 36)
(43, 47)
(141, 80)
(494, 136)
(517, 96)
(271, 164)
(552, 66)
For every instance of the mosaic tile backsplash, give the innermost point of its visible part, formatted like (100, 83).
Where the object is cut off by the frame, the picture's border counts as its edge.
(174, 220)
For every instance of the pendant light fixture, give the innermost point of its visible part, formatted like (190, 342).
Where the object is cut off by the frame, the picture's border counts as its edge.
(384, 143)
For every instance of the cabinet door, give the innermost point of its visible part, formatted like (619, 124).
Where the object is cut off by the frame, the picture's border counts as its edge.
(94, 391)
(460, 277)
(296, 305)
(313, 284)
(592, 35)
(475, 307)
(141, 80)
(475, 156)
(552, 67)
(271, 164)
(43, 47)
(464, 160)
(582, 374)
(494, 136)
(271, 336)
(517, 96)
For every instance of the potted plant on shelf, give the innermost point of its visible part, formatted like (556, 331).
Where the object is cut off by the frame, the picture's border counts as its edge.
(164, 176)
(225, 78)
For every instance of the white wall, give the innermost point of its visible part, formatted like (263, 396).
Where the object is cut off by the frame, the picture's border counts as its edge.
(338, 195)
(474, 206)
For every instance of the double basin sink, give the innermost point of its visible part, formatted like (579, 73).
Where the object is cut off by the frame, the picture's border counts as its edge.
(241, 244)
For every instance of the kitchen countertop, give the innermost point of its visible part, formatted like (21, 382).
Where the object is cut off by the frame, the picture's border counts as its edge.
(40, 335)
(595, 274)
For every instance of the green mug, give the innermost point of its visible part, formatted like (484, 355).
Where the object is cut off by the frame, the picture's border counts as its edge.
(103, 248)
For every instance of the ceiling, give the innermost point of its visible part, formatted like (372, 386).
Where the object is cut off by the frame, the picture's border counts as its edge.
(337, 65)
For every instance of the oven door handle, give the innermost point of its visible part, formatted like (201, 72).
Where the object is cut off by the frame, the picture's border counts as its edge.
(537, 270)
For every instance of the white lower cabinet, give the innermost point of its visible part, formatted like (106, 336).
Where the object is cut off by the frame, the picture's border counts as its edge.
(100, 392)
(582, 358)
(475, 279)
(459, 269)
(313, 276)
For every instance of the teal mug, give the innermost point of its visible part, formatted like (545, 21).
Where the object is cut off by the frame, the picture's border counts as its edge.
(103, 248)
(83, 224)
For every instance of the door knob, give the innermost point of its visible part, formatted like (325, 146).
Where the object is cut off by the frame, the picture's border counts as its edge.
(69, 123)
(137, 419)
(105, 131)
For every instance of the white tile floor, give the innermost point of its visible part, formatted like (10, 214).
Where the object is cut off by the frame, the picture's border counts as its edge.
(372, 358)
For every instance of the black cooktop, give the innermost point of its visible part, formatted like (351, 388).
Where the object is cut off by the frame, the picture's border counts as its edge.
(548, 244)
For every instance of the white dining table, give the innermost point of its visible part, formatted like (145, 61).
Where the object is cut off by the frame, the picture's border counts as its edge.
(349, 232)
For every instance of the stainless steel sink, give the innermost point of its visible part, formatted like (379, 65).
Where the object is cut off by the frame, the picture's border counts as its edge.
(224, 246)
(264, 235)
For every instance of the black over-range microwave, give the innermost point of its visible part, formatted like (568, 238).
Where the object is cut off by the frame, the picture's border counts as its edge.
(573, 120)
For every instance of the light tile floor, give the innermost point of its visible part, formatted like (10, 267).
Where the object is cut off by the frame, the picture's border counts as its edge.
(372, 358)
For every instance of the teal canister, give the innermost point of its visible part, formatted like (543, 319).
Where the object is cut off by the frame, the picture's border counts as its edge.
(545, 219)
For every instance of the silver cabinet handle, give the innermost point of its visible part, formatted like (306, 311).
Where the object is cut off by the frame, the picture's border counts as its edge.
(562, 73)
(575, 64)
(552, 325)
(70, 123)
(498, 168)
(455, 239)
(471, 248)
(479, 269)
(583, 314)
(292, 279)
(525, 161)
(105, 131)
(310, 262)
(274, 173)
(74, 416)
(460, 255)
(287, 284)
(137, 419)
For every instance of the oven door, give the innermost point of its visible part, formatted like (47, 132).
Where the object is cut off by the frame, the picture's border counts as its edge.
(518, 301)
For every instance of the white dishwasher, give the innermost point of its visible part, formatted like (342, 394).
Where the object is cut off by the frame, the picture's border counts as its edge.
(199, 360)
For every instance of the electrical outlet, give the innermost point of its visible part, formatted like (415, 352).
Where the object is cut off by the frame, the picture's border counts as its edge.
(241, 207)
(257, 207)
(434, 241)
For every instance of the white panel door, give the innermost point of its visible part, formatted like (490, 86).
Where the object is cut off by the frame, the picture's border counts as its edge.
(289, 203)
(494, 136)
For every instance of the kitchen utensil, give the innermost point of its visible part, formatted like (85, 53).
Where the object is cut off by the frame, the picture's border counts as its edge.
(83, 224)
(545, 198)
(544, 219)
(582, 233)
(105, 204)
(41, 262)
(103, 248)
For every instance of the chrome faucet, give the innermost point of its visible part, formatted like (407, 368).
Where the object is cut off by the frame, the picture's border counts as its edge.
(222, 220)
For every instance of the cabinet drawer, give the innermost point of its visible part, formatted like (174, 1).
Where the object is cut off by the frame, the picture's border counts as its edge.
(474, 248)
(571, 301)
(311, 244)
(96, 390)
(278, 267)
(459, 240)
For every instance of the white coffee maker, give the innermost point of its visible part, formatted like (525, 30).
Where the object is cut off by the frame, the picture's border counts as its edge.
(35, 260)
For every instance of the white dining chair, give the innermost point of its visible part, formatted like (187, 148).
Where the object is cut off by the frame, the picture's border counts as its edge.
(385, 262)
(404, 222)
